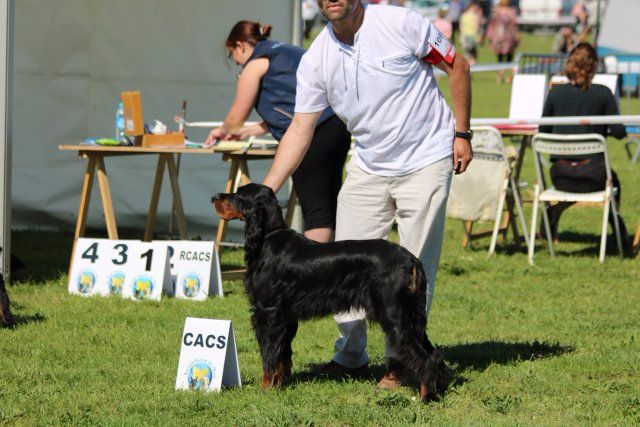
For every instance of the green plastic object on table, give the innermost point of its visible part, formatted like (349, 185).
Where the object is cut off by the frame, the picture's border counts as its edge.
(107, 141)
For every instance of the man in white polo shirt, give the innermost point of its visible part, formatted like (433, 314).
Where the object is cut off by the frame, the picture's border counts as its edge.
(373, 66)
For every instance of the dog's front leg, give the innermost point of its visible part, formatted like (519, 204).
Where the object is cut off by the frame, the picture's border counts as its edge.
(274, 334)
(266, 334)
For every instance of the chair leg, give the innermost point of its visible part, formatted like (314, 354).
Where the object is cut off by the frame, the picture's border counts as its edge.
(616, 227)
(627, 149)
(637, 153)
(496, 224)
(466, 241)
(603, 237)
(636, 239)
(547, 226)
(534, 219)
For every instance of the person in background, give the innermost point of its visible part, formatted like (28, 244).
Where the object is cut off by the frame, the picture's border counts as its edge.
(453, 15)
(503, 33)
(486, 6)
(471, 22)
(443, 24)
(309, 14)
(267, 83)
(565, 40)
(580, 13)
(582, 174)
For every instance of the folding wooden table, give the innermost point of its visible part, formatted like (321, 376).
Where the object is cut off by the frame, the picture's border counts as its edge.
(95, 155)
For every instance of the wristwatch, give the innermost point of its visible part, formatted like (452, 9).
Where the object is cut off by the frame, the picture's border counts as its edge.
(465, 135)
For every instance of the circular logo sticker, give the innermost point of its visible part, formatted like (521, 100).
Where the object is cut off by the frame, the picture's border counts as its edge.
(191, 285)
(142, 287)
(200, 375)
(86, 281)
(116, 283)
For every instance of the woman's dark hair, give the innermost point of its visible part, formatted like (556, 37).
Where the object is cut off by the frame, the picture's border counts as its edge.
(581, 65)
(248, 31)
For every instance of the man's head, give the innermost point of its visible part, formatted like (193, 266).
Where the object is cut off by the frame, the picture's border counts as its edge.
(337, 10)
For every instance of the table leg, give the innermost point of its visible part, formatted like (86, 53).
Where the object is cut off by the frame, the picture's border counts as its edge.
(526, 140)
(512, 221)
(155, 197)
(85, 199)
(107, 204)
(244, 173)
(291, 206)
(177, 197)
(222, 224)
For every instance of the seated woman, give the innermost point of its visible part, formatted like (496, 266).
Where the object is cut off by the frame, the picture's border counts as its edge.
(581, 174)
(267, 83)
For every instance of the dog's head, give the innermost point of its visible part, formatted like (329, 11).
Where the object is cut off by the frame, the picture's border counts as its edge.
(255, 204)
(250, 200)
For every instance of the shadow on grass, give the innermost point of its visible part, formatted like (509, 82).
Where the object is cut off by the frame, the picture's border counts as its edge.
(22, 319)
(507, 248)
(478, 356)
(459, 357)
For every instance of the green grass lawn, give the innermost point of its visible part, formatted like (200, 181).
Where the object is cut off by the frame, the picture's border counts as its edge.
(557, 343)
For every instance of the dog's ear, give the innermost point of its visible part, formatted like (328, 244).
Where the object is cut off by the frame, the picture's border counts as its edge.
(254, 229)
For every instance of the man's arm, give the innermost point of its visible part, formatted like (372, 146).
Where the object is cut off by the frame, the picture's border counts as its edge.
(292, 148)
(460, 83)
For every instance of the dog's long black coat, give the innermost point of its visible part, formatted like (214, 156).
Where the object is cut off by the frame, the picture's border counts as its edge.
(291, 278)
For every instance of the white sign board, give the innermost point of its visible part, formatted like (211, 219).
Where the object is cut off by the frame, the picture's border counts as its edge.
(208, 356)
(195, 269)
(130, 268)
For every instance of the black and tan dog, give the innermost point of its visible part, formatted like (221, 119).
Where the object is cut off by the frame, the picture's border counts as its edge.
(6, 319)
(291, 278)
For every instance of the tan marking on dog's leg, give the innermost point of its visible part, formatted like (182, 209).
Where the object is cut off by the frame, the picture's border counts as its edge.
(277, 376)
(413, 287)
(424, 392)
(266, 381)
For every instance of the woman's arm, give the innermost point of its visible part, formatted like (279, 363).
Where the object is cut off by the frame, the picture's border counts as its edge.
(617, 131)
(246, 94)
(252, 130)
(547, 111)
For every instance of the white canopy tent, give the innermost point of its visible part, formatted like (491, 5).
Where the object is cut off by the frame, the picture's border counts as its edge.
(72, 58)
(619, 30)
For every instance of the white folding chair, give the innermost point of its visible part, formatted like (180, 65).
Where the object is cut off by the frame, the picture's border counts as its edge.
(571, 145)
(480, 193)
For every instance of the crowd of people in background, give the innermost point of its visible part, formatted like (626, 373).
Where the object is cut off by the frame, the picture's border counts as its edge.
(472, 23)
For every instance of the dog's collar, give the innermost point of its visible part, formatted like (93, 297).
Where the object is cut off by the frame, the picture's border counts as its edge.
(269, 234)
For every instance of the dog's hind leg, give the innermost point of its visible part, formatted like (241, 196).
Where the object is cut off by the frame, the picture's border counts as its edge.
(287, 360)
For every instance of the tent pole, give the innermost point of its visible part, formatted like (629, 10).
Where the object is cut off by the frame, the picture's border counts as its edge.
(6, 67)
(296, 33)
(595, 42)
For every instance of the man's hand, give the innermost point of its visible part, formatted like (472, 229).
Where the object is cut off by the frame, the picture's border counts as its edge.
(462, 154)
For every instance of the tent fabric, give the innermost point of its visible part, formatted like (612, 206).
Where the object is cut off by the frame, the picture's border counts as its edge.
(620, 31)
(72, 58)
